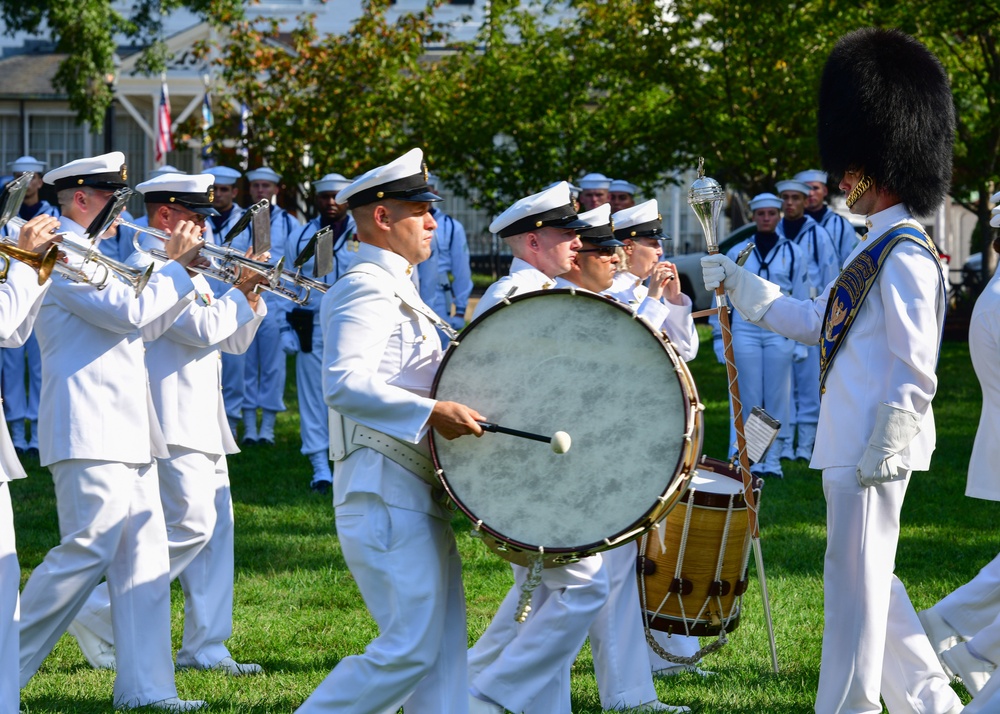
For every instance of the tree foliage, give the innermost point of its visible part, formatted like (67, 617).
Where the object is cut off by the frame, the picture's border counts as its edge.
(88, 30)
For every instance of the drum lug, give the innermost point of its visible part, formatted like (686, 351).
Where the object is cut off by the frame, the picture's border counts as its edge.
(719, 588)
(681, 586)
(645, 566)
(566, 559)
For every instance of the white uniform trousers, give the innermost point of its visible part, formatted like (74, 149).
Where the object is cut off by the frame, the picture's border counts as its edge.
(198, 508)
(764, 363)
(526, 667)
(873, 641)
(617, 637)
(265, 366)
(314, 415)
(233, 386)
(407, 568)
(973, 611)
(19, 402)
(805, 378)
(10, 582)
(988, 699)
(111, 523)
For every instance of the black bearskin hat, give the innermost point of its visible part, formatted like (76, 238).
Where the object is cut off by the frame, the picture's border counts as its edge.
(885, 106)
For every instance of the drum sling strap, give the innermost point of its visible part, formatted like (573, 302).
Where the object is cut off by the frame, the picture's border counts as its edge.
(347, 436)
(853, 285)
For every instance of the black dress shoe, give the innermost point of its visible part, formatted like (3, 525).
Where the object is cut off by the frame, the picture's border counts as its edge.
(19, 451)
(32, 453)
(250, 442)
(321, 487)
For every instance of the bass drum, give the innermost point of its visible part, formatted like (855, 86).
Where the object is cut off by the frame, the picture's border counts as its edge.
(563, 360)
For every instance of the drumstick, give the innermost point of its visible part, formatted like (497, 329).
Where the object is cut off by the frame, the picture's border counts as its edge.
(560, 441)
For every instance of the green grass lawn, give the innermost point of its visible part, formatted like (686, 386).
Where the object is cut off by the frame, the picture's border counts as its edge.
(298, 612)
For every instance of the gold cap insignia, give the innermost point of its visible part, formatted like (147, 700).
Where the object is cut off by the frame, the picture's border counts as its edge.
(79, 182)
(380, 194)
(124, 171)
(426, 175)
(538, 224)
(211, 194)
(172, 199)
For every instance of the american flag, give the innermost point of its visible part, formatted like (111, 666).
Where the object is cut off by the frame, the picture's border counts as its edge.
(164, 139)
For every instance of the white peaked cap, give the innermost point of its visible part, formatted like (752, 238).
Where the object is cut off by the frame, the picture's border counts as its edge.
(550, 207)
(106, 172)
(403, 179)
(639, 221)
(193, 191)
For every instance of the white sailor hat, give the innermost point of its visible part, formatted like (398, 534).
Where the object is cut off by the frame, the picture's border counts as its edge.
(765, 200)
(811, 175)
(551, 207)
(263, 174)
(623, 186)
(331, 183)
(27, 163)
(601, 232)
(995, 197)
(640, 221)
(595, 182)
(194, 192)
(165, 169)
(224, 176)
(792, 185)
(403, 179)
(106, 172)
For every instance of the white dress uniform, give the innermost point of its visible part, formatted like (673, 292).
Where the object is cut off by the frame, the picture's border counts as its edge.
(526, 667)
(873, 641)
(764, 358)
(19, 305)
(840, 230)
(20, 405)
(675, 320)
(233, 366)
(446, 277)
(265, 361)
(183, 357)
(379, 358)
(98, 436)
(314, 421)
(972, 611)
(823, 269)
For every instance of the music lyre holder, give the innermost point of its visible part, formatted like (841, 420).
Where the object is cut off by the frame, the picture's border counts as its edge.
(705, 198)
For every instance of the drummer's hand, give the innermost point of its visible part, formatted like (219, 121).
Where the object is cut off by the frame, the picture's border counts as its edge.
(452, 420)
(37, 234)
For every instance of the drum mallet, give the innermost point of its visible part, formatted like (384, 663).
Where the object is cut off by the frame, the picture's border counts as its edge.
(560, 441)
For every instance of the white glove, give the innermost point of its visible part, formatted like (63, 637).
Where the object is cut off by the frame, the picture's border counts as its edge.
(893, 432)
(720, 350)
(289, 342)
(750, 294)
(457, 322)
(799, 352)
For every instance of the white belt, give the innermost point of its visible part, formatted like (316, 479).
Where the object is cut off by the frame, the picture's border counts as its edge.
(357, 436)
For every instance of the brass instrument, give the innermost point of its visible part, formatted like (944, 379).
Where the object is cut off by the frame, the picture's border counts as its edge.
(10, 204)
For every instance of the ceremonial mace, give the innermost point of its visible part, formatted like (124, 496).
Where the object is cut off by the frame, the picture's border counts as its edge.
(705, 198)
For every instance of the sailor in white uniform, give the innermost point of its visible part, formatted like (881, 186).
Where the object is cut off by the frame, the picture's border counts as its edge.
(840, 230)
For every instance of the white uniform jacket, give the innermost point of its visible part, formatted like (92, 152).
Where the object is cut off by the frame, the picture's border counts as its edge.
(841, 232)
(817, 246)
(92, 353)
(675, 320)
(182, 357)
(379, 361)
(19, 305)
(890, 354)
(522, 278)
(984, 346)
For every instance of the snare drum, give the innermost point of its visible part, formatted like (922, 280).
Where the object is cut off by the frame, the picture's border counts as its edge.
(693, 583)
(563, 360)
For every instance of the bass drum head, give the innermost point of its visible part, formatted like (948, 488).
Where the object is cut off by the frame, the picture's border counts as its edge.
(580, 363)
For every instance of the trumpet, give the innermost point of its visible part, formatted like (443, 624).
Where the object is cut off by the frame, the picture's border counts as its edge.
(10, 204)
(226, 264)
(293, 283)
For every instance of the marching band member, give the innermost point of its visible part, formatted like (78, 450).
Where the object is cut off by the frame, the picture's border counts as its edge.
(617, 637)
(19, 304)
(18, 404)
(182, 357)
(621, 195)
(225, 192)
(640, 231)
(886, 125)
(818, 250)
(840, 230)
(594, 191)
(265, 360)
(525, 667)
(764, 359)
(380, 354)
(98, 438)
(303, 333)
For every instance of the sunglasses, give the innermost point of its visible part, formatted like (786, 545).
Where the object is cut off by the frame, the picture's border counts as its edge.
(604, 252)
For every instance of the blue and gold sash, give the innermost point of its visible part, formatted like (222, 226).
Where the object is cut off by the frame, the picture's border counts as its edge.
(852, 287)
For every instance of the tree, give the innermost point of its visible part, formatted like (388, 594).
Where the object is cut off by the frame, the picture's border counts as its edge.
(87, 31)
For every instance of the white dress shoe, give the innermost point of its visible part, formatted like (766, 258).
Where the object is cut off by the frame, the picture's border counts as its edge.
(658, 706)
(975, 672)
(674, 670)
(940, 633)
(227, 665)
(99, 653)
(176, 704)
(478, 706)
